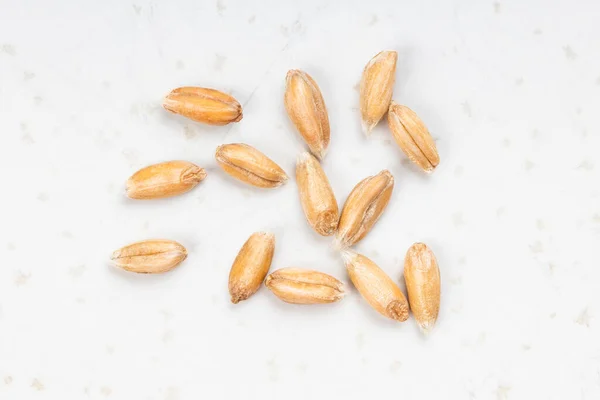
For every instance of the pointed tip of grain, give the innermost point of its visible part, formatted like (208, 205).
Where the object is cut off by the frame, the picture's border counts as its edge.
(219, 156)
(303, 157)
(115, 255)
(348, 255)
(129, 187)
(320, 154)
(338, 244)
(418, 246)
(184, 252)
(335, 244)
(426, 327)
(268, 280)
(387, 173)
(389, 177)
(429, 169)
(240, 115)
(393, 54)
(384, 56)
(266, 235)
(367, 128)
(291, 73)
(168, 103)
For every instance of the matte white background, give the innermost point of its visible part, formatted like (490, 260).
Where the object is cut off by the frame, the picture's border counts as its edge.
(510, 91)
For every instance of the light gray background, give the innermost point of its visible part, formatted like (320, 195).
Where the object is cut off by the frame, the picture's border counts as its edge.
(511, 92)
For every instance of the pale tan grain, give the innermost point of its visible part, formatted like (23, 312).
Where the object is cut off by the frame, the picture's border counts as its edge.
(413, 137)
(422, 277)
(306, 108)
(376, 88)
(150, 256)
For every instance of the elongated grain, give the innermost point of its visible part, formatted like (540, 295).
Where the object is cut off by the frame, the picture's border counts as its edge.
(422, 277)
(376, 287)
(306, 108)
(413, 137)
(303, 286)
(316, 196)
(363, 208)
(165, 179)
(204, 105)
(251, 266)
(376, 88)
(150, 256)
(250, 166)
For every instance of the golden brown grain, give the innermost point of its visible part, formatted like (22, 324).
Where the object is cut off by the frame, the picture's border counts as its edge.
(413, 137)
(209, 106)
(304, 286)
(166, 179)
(364, 207)
(376, 88)
(249, 165)
(251, 266)
(316, 196)
(376, 287)
(306, 108)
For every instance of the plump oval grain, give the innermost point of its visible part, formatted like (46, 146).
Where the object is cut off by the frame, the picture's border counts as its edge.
(376, 88)
(165, 179)
(376, 287)
(204, 105)
(363, 207)
(413, 137)
(150, 256)
(316, 196)
(251, 266)
(422, 277)
(306, 108)
(249, 165)
(304, 286)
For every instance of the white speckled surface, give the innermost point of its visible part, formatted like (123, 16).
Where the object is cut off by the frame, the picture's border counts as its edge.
(511, 92)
